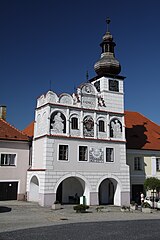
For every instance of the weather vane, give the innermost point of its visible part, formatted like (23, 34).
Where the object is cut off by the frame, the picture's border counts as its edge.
(108, 22)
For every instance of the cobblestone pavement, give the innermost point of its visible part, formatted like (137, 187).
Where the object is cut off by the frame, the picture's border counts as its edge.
(23, 215)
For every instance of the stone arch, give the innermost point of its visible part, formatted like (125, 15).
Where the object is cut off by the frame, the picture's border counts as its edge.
(109, 190)
(34, 189)
(72, 184)
(101, 117)
(74, 115)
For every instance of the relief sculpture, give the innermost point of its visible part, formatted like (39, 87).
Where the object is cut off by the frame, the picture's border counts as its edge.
(116, 129)
(88, 127)
(57, 125)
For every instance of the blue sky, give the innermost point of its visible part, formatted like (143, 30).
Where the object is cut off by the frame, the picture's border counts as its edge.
(58, 41)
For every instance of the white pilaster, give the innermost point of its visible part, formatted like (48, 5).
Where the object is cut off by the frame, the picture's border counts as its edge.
(81, 124)
(67, 123)
(153, 166)
(95, 125)
(107, 126)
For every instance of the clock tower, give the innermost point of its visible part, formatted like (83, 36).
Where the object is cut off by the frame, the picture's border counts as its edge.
(108, 82)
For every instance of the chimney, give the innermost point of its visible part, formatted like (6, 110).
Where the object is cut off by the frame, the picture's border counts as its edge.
(3, 112)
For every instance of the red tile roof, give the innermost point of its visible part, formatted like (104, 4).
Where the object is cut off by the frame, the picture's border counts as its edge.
(8, 132)
(29, 130)
(141, 133)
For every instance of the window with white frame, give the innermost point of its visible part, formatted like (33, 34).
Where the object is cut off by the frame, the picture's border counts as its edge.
(7, 159)
(101, 126)
(74, 123)
(137, 163)
(158, 164)
(63, 152)
(109, 155)
(83, 153)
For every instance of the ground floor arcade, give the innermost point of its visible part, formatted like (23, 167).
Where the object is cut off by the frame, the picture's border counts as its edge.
(71, 187)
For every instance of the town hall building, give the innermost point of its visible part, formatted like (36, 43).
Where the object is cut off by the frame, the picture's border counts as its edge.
(79, 145)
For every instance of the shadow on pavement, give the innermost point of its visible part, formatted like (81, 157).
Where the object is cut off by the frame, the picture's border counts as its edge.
(5, 209)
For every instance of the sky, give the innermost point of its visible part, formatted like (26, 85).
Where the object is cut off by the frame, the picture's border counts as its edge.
(54, 43)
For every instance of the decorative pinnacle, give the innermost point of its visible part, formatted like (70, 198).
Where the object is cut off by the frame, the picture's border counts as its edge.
(108, 22)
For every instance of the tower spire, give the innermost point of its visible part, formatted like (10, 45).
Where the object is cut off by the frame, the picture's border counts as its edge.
(107, 64)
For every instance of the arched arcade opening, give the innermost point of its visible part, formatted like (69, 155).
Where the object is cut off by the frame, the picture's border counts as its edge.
(34, 189)
(70, 190)
(109, 192)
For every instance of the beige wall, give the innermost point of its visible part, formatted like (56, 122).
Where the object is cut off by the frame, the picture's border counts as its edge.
(148, 165)
(18, 172)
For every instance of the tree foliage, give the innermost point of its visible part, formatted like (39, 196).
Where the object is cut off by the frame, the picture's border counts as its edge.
(152, 183)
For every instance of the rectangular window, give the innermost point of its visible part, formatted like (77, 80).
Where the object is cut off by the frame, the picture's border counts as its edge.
(101, 126)
(113, 85)
(109, 155)
(83, 153)
(158, 164)
(8, 159)
(137, 163)
(74, 123)
(63, 152)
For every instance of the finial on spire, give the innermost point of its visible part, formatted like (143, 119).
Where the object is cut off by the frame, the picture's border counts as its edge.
(108, 20)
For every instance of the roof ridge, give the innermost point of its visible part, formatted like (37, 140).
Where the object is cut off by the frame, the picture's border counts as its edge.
(13, 127)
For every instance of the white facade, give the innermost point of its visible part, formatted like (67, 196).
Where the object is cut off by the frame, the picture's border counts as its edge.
(79, 146)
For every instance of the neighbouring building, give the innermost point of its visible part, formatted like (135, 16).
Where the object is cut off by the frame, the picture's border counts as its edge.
(14, 160)
(143, 151)
(79, 144)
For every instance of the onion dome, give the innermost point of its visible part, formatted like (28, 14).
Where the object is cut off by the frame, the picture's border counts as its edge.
(107, 64)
